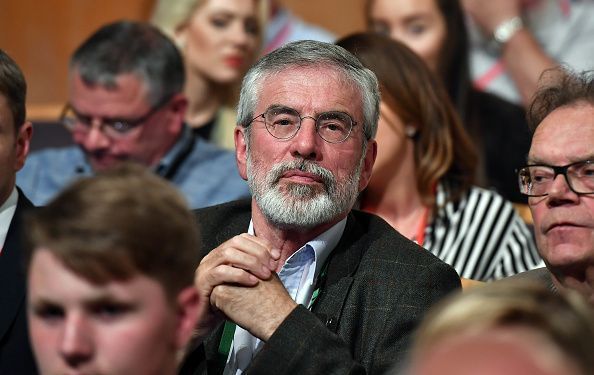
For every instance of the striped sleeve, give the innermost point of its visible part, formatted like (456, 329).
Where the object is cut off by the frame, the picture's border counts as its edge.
(483, 237)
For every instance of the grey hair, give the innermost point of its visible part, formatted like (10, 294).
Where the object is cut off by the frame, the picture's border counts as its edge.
(131, 47)
(309, 53)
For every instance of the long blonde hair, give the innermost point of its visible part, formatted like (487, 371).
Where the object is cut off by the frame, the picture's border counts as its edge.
(170, 15)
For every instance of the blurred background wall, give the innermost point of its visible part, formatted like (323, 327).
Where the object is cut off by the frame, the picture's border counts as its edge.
(41, 35)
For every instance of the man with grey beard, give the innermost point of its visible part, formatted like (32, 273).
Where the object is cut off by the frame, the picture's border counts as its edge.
(298, 281)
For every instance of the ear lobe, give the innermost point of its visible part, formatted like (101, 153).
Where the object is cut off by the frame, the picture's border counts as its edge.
(177, 111)
(23, 142)
(189, 305)
(368, 162)
(411, 131)
(241, 151)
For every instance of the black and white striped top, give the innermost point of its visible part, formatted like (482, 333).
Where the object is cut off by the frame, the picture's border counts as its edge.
(481, 236)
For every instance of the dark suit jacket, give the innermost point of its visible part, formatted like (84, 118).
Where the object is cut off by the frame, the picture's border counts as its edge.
(16, 357)
(378, 286)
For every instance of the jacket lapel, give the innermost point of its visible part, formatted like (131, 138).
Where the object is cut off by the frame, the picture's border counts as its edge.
(12, 275)
(343, 263)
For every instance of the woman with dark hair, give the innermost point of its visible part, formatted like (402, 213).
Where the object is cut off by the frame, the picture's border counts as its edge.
(422, 182)
(436, 31)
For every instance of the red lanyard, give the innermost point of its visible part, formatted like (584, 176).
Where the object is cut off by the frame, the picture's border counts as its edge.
(420, 236)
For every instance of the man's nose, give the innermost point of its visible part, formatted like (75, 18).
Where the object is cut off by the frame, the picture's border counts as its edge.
(306, 142)
(96, 139)
(560, 192)
(76, 343)
(239, 35)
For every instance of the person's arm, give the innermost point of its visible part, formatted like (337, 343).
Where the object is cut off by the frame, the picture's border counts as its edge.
(525, 60)
(523, 57)
(518, 252)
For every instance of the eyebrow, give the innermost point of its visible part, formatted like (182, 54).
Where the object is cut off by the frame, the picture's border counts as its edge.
(280, 107)
(419, 16)
(285, 108)
(537, 160)
(103, 119)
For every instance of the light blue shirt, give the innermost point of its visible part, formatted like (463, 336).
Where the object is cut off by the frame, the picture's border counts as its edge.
(286, 27)
(299, 276)
(206, 174)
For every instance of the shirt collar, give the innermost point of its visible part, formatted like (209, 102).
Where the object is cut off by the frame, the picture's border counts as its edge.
(179, 147)
(322, 244)
(7, 210)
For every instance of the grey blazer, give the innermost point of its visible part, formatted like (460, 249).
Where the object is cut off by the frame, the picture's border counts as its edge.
(378, 286)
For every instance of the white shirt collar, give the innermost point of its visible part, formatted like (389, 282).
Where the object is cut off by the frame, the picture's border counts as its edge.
(6, 213)
(322, 244)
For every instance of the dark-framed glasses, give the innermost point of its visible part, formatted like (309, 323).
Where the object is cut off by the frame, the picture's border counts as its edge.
(112, 127)
(536, 180)
(284, 122)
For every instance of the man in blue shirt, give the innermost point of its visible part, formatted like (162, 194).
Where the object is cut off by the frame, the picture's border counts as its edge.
(126, 103)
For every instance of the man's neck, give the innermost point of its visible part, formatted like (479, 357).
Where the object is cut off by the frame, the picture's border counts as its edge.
(288, 241)
(579, 278)
(205, 99)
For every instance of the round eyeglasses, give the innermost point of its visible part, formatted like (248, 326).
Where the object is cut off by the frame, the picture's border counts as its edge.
(284, 123)
(112, 127)
(536, 180)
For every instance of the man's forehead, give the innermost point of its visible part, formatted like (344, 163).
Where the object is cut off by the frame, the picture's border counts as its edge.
(322, 87)
(566, 134)
(77, 287)
(127, 93)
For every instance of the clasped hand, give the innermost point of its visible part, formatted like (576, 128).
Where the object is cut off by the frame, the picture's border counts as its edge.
(238, 278)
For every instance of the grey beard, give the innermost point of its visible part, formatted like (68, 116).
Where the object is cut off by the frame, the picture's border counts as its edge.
(298, 206)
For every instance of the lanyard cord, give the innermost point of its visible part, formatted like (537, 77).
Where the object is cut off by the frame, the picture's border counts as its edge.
(420, 236)
(229, 329)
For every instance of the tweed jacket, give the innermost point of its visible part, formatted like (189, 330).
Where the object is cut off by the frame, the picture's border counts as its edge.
(539, 275)
(377, 287)
(15, 352)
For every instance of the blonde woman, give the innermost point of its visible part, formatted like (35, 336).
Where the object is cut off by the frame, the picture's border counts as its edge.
(219, 40)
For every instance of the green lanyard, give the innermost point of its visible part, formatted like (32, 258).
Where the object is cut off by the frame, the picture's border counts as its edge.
(225, 344)
(229, 329)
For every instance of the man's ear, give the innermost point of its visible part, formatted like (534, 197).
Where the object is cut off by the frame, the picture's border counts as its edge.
(241, 151)
(188, 307)
(177, 110)
(23, 141)
(368, 162)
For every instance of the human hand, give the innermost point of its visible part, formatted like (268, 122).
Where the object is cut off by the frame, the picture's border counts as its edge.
(243, 260)
(489, 14)
(259, 308)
